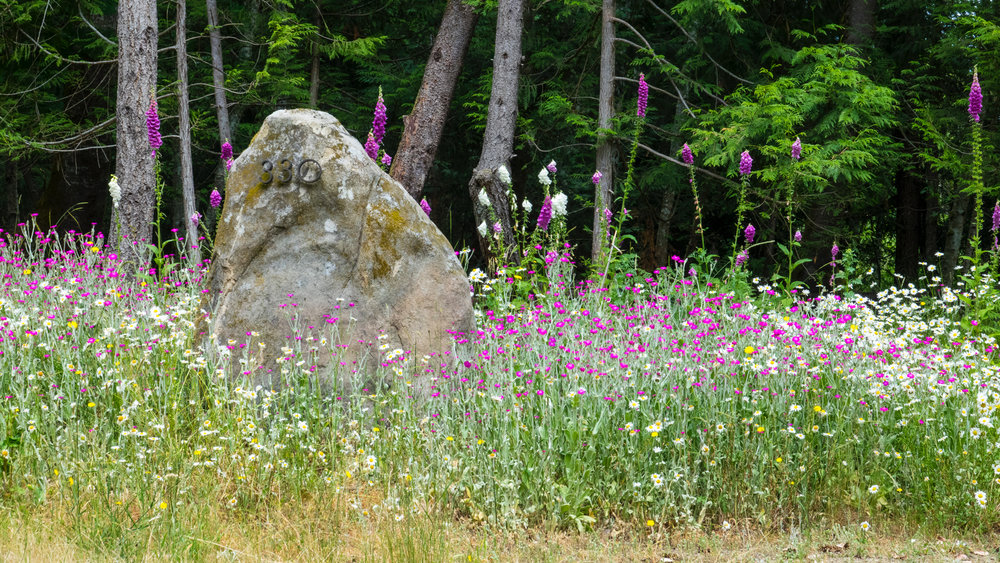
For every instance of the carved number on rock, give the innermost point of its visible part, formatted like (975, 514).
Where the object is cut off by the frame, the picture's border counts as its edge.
(308, 171)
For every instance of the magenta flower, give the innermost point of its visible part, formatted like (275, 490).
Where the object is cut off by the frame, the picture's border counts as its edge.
(195, 218)
(425, 206)
(386, 159)
(545, 214)
(551, 167)
(798, 236)
(975, 97)
(797, 148)
(643, 96)
(215, 199)
(996, 217)
(835, 251)
(596, 178)
(371, 147)
(742, 257)
(746, 163)
(749, 233)
(687, 155)
(378, 122)
(153, 128)
(226, 154)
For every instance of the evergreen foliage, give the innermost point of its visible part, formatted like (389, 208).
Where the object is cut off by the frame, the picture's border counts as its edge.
(726, 76)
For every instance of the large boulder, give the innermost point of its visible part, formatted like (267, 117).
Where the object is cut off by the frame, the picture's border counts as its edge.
(313, 228)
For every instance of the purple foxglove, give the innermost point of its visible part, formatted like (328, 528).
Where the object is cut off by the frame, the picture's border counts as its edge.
(545, 214)
(687, 155)
(746, 163)
(596, 178)
(749, 233)
(215, 199)
(975, 97)
(798, 236)
(226, 154)
(378, 122)
(195, 218)
(742, 257)
(551, 167)
(797, 149)
(371, 147)
(425, 206)
(834, 251)
(153, 128)
(386, 159)
(643, 96)
(996, 217)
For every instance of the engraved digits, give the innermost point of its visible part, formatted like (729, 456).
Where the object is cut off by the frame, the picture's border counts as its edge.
(309, 171)
(267, 177)
(285, 171)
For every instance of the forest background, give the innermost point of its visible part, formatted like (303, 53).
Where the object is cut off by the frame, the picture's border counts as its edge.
(876, 90)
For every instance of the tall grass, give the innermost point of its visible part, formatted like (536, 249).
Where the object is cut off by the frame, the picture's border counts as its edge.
(667, 401)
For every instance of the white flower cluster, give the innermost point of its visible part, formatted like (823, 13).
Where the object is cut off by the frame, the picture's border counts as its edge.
(559, 204)
(115, 190)
(503, 174)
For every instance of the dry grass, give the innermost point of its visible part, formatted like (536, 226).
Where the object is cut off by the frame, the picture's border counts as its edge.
(326, 529)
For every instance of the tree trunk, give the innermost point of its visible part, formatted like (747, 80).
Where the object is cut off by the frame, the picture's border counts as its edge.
(668, 206)
(218, 72)
(137, 36)
(498, 140)
(422, 129)
(907, 225)
(12, 199)
(664, 220)
(184, 118)
(603, 193)
(931, 211)
(861, 22)
(953, 242)
(314, 73)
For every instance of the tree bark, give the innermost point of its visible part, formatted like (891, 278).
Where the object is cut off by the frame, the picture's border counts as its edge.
(184, 119)
(930, 210)
(314, 73)
(603, 192)
(498, 140)
(668, 206)
(218, 72)
(954, 238)
(12, 200)
(861, 22)
(422, 129)
(137, 35)
(664, 223)
(907, 225)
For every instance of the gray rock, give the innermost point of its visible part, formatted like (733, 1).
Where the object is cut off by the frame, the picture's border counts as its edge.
(326, 228)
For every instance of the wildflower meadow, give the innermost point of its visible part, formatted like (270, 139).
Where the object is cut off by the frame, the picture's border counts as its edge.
(698, 396)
